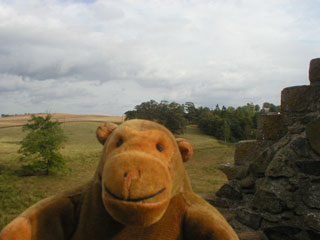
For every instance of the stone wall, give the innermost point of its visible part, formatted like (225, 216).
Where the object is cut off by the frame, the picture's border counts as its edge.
(274, 183)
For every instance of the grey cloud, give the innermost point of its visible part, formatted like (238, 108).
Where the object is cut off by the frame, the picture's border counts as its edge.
(107, 56)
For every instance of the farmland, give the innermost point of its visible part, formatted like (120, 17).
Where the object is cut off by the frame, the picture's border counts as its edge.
(82, 152)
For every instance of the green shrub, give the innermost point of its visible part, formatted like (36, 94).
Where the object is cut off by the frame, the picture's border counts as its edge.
(40, 148)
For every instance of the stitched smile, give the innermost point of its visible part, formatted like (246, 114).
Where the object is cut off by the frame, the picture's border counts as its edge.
(134, 199)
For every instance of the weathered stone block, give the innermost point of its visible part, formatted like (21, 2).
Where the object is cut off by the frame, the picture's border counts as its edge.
(311, 167)
(242, 150)
(258, 167)
(259, 183)
(311, 195)
(242, 171)
(312, 219)
(300, 99)
(270, 127)
(313, 134)
(251, 235)
(301, 209)
(273, 196)
(283, 164)
(281, 143)
(219, 202)
(248, 182)
(229, 170)
(314, 71)
(296, 127)
(309, 118)
(303, 235)
(272, 218)
(267, 201)
(282, 233)
(290, 118)
(230, 191)
(313, 235)
(301, 147)
(249, 218)
(246, 151)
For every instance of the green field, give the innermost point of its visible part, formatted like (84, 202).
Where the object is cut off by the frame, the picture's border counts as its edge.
(82, 152)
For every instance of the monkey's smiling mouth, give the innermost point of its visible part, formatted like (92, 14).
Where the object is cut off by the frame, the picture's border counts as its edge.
(134, 199)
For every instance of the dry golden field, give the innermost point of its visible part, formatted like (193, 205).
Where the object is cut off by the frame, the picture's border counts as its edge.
(82, 153)
(62, 117)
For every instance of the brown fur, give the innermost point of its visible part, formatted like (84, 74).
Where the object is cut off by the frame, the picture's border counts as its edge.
(139, 191)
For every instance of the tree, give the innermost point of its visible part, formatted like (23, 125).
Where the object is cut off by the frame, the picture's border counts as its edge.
(168, 114)
(41, 145)
(217, 109)
(226, 131)
(130, 114)
(173, 117)
(230, 124)
(269, 107)
(191, 113)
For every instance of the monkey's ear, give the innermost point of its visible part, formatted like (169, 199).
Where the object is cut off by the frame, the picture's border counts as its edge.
(185, 148)
(104, 130)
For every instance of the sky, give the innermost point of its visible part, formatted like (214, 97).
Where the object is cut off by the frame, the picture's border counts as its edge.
(107, 56)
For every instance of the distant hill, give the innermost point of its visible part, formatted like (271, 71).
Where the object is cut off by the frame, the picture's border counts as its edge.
(19, 120)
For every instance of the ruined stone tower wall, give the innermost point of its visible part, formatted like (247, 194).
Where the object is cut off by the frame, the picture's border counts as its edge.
(274, 183)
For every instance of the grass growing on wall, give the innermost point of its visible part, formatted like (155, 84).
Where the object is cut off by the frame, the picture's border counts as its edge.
(82, 152)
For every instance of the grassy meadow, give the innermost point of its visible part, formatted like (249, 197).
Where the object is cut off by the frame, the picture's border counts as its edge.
(82, 152)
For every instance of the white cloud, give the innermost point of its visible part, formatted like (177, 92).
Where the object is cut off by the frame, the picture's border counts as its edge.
(107, 56)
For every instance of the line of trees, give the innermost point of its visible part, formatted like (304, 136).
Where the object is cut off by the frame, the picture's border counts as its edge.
(171, 115)
(3, 115)
(230, 124)
(227, 124)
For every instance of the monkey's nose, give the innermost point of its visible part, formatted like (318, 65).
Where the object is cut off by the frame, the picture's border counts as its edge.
(129, 176)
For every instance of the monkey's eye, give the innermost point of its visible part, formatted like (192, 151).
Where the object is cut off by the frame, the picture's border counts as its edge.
(119, 143)
(159, 147)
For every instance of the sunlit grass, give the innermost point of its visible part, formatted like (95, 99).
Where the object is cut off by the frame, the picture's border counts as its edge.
(208, 154)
